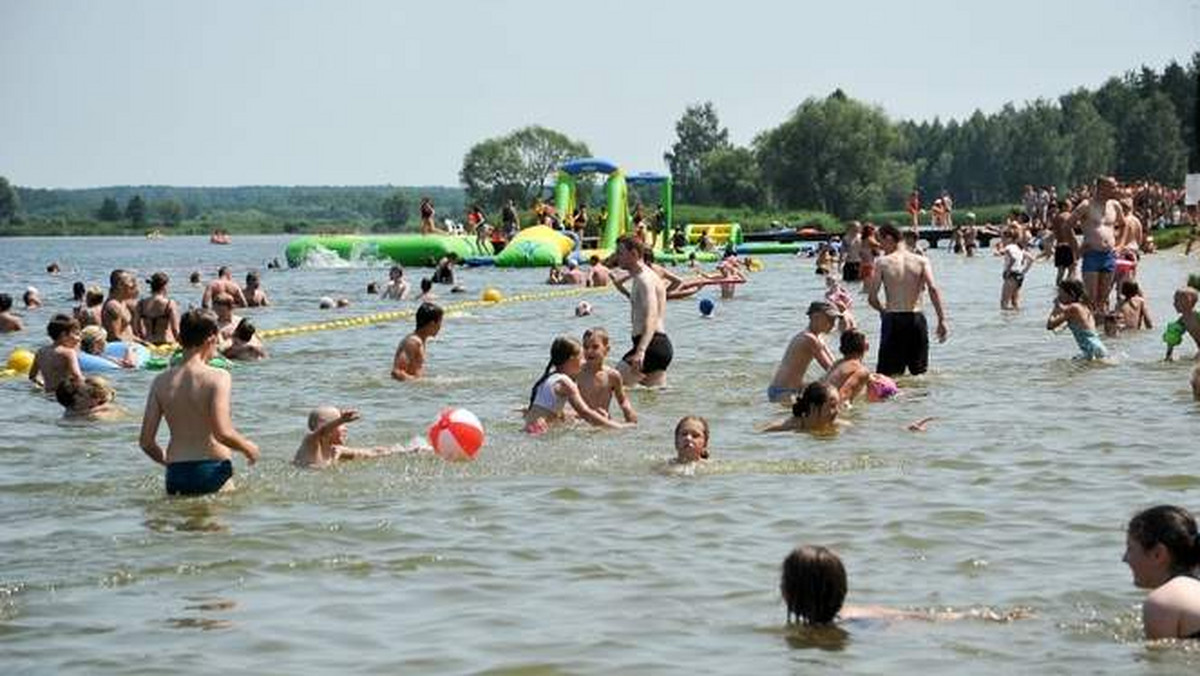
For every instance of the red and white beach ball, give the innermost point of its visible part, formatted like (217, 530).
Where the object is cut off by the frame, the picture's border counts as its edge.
(456, 435)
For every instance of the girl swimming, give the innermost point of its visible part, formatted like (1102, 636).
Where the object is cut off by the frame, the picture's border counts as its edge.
(815, 411)
(1071, 308)
(555, 388)
(691, 440)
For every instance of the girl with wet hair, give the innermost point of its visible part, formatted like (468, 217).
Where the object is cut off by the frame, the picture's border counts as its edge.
(813, 585)
(1162, 549)
(815, 411)
(556, 387)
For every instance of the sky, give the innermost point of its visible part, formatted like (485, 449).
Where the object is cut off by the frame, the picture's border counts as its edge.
(371, 92)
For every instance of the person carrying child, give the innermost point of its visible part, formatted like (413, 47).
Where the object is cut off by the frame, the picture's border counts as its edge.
(551, 393)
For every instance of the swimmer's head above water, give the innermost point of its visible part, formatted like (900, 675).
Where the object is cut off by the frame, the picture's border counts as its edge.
(813, 585)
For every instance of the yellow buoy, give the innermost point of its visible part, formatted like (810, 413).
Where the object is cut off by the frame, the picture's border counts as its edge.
(20, 361)
(492, 295)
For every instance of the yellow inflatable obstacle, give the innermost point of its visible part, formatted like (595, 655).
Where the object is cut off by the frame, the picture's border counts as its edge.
(18, 364)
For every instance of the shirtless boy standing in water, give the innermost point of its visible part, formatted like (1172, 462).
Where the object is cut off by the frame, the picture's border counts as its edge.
(904, 333)
(195, 399)
(1066, 245)
(409, 360)
(117, 315)
(801, 351)
(652, 351)
(1097, 216)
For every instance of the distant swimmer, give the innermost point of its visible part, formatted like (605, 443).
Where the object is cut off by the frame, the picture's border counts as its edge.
(223, 284)
(1162, 550)
(409, 360)
(58, 361)
(802, 350)
(904, 277)
(195, 400)
(9, 322)
(253, 291)
(397, 285)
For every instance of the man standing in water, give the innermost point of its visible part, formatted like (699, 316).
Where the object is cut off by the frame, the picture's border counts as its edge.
(223, 284)
(1097, 216)
(652, 352)
(117, 313)
(904, 333)
(195, 399)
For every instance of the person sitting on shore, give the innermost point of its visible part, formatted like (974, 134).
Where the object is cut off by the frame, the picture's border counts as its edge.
(9, 322)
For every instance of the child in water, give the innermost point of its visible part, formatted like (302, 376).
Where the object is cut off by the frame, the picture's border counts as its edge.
(815, 411)
(691, 440)
(1132, 313)
(88, 399)
(1188, 322)
(1162, 549)
(1071, 308)
(245, 345)
(849, 375)
(598, 382)
(555, 388)
(324, 443)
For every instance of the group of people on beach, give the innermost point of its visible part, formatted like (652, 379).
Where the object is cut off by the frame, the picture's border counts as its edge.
(1163, 548)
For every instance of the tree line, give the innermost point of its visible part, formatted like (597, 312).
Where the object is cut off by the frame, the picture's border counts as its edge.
(846, 157)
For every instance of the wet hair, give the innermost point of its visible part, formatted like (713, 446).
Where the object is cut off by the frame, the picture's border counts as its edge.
(194, 278)
(428, 313)
(1074, 289)
(116, 277)
(5, 302)
(814, 396)
(703, 427)
(91, 339)
(195, 327)
(69, 391)
(891, 232)
(372, 287)
(61, 325)
(562, 349)
(1172, 527)
(396, 269)
(223, 270)
(94, 296)
(813, 585)
(1130, 288)
(596, 332)
(77, 291)
(53, 268)
(158, 281)
(252, 277)
(29, 297)
(853, 343)
(593, 260)
(426, 284)
(244, 331)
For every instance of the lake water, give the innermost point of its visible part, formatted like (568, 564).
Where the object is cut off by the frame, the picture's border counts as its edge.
(569, 553)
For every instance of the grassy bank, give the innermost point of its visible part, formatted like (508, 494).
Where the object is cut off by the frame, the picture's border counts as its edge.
(753, 220)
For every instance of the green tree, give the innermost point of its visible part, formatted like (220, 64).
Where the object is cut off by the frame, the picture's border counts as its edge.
(135, 211)
(830, 155)
(109, 211)
(1180, 85)
(698, 133)
(1154, 142)
(1039, 153)
(516, 166)
(1093, 141)
(395, 210)
(169, 212)
(731, 178)
(10, 202)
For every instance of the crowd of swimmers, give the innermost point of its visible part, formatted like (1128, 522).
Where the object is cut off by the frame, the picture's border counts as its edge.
(1163, 546)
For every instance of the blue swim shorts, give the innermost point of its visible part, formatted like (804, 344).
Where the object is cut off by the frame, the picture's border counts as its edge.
(198, 477)
(1099, 261)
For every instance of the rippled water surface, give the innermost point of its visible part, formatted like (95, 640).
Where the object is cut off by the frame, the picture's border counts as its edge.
(569, 553)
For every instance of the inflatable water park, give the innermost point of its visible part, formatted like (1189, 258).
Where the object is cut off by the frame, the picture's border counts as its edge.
(543, 246)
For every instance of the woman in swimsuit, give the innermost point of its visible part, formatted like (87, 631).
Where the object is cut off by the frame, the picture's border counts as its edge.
(1162, 549)
(158, 316)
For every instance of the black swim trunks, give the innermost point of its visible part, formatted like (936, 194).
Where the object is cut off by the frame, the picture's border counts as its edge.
(1064, 256)
(659, 353)
(198, 477)
(850, 271)
(903, 343)
(1015, 275)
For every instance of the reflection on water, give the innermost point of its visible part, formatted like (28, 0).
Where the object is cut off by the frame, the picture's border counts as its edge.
(569, 552)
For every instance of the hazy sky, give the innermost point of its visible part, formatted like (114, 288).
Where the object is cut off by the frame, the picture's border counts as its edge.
(294, 92)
